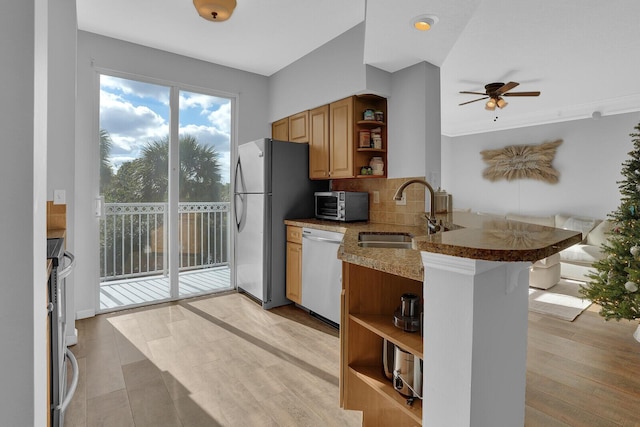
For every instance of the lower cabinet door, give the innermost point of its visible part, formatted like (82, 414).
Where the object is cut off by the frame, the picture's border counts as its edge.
(294, 272)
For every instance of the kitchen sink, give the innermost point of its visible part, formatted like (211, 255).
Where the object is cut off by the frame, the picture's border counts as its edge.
(384, 240)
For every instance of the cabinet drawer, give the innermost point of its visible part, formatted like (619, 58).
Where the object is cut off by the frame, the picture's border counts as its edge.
(294, 234)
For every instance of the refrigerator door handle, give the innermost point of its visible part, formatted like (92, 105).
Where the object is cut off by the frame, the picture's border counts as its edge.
(239, 182)
(240, 222)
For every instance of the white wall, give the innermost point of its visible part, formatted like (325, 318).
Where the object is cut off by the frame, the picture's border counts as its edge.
(589, 161)
(61, 106)
(23, 121)
(414, 123)
(333, 71)
(100, 52)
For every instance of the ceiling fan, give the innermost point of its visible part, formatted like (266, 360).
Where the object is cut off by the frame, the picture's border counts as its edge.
(494, 93)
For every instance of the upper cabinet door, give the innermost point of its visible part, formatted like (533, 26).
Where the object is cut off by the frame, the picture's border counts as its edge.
(299, 127)
(280, 130)
(341, 139)
(319, 143)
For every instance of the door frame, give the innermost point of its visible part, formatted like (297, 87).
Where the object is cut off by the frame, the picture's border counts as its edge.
(173, 191)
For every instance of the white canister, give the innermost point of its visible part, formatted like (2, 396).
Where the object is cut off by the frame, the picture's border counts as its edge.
(377, 165)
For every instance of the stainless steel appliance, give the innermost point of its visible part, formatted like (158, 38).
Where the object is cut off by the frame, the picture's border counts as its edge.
(60, 392)
(408, 316)
(271, 184)
(342, 205)
(403, 369)
(321, 273)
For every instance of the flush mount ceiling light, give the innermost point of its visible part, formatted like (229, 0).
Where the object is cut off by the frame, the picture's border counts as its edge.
(424, 22)
(215, 10)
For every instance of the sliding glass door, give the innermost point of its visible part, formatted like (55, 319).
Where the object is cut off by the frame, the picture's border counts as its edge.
(164, 193)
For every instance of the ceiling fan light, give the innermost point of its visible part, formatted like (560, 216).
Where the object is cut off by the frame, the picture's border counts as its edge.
(215, 10)
(490, 105)
(501, 103)
(424, 22)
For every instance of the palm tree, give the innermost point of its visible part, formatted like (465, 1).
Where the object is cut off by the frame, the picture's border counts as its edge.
(146, 178)
(106, 170)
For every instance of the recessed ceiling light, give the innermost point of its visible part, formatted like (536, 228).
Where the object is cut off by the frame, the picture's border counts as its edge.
(424, 22)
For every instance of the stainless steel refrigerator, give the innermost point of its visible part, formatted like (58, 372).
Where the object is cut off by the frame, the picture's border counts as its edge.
(271, 184)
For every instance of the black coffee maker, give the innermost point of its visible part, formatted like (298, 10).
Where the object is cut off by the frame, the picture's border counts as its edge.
(408, 316)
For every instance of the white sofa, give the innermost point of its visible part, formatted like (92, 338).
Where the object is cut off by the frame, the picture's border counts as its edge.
(576, 261)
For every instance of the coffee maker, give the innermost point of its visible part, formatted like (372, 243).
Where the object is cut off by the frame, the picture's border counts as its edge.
(403, 369)
(408, 316)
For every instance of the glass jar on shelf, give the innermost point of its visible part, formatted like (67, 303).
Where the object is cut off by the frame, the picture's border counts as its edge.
(377, 165)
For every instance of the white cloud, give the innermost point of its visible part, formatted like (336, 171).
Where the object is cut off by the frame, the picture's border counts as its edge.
(136, 88)
(132, 112)
(221, 118)
(129, 126)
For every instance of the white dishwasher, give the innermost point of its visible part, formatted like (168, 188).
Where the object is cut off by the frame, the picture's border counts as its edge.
(321, 273)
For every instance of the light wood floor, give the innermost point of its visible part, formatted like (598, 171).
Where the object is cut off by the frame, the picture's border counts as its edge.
(223, 361)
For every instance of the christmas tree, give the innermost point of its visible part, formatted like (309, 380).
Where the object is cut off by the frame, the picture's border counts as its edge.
(615, 284)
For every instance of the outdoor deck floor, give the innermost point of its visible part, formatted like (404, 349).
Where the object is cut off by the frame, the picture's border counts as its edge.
(143, 290)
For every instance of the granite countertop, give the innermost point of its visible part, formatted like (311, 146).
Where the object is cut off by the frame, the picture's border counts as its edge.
(482, 237)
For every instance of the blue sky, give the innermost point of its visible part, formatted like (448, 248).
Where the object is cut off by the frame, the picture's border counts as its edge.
(136, 113)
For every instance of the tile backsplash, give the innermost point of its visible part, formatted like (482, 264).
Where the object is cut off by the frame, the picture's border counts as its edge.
(387, 211)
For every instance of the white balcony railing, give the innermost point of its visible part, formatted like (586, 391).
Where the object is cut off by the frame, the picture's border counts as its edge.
(133, 238)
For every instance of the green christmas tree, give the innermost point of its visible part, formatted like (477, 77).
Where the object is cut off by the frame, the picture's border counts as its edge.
(616, 283)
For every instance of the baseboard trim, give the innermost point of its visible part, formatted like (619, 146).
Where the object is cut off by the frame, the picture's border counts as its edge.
(83, 314)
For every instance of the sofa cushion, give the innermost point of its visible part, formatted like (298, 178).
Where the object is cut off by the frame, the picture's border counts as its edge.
(582, 254)
(599, 235)
(583, 225)
(549, 221)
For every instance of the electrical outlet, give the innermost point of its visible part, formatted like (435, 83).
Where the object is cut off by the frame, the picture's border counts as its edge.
(402, 201)
(59, 197)
(376, 197)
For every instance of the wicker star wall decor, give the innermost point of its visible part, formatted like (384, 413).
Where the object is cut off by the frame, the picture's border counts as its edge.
(522, 162)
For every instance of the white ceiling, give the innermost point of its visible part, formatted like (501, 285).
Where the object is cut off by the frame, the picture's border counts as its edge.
(583, 55)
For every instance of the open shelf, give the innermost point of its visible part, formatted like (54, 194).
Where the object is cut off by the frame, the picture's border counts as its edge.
(372, 123)
(373, 377)
(371, 176)
(374, 150)
(382, 325)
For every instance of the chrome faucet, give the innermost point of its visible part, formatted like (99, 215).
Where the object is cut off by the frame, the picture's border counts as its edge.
(431, 217)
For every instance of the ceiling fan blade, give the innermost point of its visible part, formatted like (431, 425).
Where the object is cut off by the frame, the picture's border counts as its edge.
(522, 94)
(472, 93)
(507, 87)
(475, 100)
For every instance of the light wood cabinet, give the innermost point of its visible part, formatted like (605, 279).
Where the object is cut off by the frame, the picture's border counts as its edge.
(294, 264)
(299, 127)
(334, 138)
(341, 139)
(319, 143)
(369, 298)
(293, 128)
(280, 129)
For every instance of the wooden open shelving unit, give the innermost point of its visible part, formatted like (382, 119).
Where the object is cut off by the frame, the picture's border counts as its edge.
(363, 155)
(369, 299)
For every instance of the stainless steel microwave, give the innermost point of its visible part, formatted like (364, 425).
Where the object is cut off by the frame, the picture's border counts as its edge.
(342, 205)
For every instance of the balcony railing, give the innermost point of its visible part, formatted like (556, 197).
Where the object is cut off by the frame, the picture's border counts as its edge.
(133, 238)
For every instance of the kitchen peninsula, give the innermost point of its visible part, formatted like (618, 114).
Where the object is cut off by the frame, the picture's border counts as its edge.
(474, 282)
